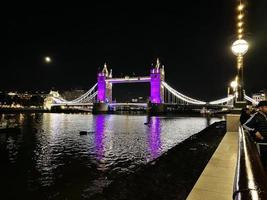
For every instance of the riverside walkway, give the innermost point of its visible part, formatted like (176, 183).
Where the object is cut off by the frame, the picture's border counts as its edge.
(217, 179)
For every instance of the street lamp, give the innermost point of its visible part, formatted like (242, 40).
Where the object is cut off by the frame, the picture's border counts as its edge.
(239, 49)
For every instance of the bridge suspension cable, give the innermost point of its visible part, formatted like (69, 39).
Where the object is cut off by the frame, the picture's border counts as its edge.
(250, 99)
(182, 96)
(223, 100)
(91, 97)
(85, 98)
(85, 95)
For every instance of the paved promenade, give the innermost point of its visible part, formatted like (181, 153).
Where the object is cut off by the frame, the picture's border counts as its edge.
(216, 181)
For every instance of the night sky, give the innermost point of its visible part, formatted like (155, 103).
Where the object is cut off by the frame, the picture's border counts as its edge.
(191, 38)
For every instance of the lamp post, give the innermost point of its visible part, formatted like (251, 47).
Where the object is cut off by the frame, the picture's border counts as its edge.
(239, 49)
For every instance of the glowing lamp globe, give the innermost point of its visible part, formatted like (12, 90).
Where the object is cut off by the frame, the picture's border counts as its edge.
(234, 84)
(240, 47)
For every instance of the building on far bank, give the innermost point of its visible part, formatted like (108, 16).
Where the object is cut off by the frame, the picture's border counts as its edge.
(139, 100)
(260, 96)
(49, 100)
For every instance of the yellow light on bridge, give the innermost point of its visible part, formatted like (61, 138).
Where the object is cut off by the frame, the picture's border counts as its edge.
(240, 24)
(240, 30)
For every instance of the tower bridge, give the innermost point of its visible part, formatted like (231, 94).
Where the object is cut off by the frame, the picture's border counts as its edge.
(162, 97)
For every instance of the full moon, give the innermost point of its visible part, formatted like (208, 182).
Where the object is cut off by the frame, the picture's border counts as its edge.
(48, 59)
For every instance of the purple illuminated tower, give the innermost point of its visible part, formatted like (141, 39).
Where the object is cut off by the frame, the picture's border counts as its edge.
(101, 87)
(104, 90)
(157, 75)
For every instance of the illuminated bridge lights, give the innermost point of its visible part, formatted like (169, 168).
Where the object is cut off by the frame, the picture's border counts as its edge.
(101, 92)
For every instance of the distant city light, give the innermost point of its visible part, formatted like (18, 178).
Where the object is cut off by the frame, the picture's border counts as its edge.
(48, 59)
(12, 93)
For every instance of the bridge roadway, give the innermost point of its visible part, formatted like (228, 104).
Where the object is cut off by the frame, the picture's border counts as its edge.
(110, 104)
(145, 105)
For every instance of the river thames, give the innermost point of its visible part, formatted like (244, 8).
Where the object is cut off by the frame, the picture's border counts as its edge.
(49, 159)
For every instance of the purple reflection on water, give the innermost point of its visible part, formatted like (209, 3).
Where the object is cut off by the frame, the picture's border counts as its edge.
(99, 136)
(154, 139)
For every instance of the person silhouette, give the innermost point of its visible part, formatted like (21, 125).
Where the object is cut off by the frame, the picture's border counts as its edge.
(245, 115)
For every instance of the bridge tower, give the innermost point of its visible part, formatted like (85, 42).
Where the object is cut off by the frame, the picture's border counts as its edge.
(104, 91)
(157, 74)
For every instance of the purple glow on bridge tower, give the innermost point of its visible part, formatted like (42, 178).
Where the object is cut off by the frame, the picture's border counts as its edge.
(104, 88)
(155, 86)
(156, 76)
(101, 87)
(105, 81)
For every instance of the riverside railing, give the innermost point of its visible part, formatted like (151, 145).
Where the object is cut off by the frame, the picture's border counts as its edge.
(250, 178)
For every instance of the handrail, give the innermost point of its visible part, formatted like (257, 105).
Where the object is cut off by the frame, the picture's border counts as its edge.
(250, 178)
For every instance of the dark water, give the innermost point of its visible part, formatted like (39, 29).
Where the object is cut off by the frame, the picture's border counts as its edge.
(51, 160)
